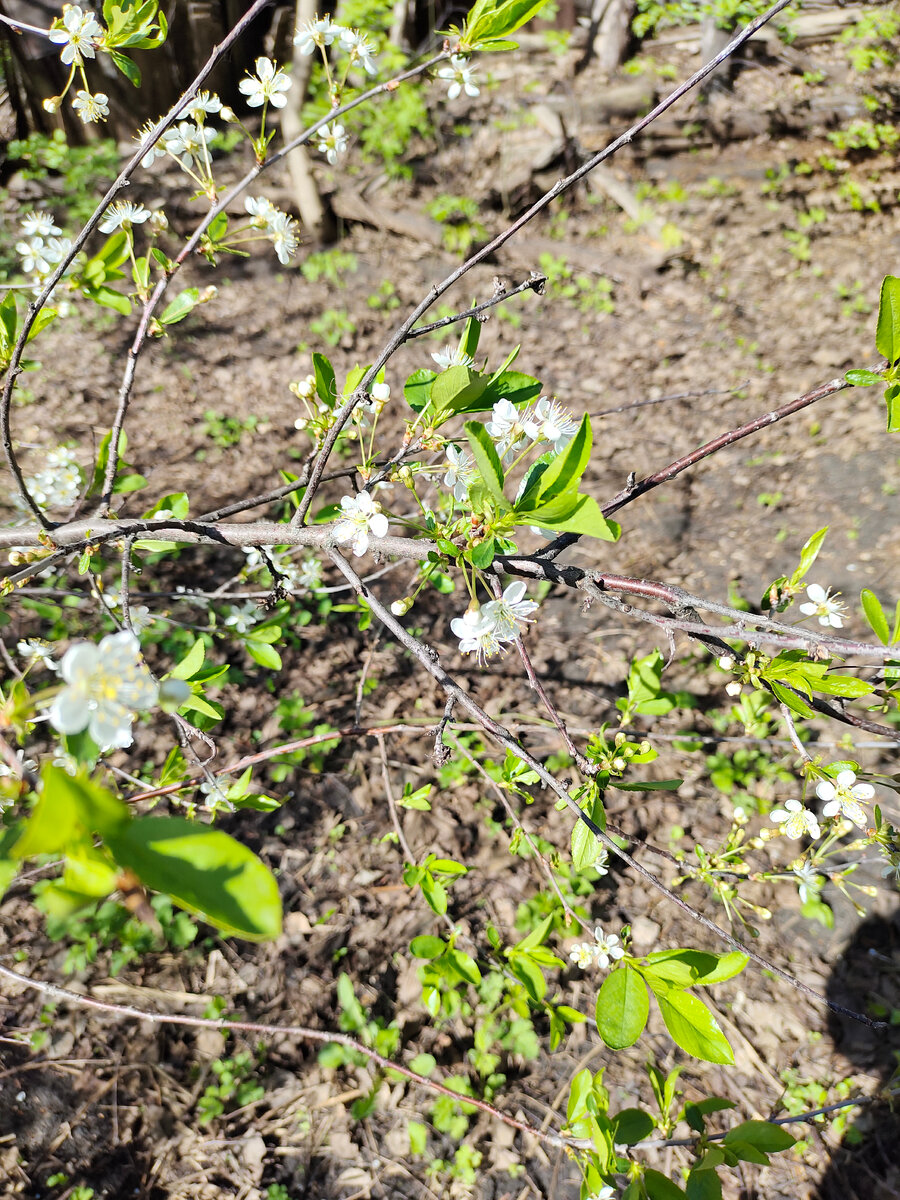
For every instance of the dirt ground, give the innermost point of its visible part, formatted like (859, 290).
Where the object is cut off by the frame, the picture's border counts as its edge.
(723, 325)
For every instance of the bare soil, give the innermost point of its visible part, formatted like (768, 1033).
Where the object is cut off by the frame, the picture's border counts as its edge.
(724, 326)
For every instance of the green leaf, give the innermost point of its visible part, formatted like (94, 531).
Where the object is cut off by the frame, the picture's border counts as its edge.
(565, 471)
(109, 298)
(471, 335)
(793, 701)
(887, 331)
(491, 21)
(203, 870)
(862, 378)
(264, 653)
(191, 663)
(764, 1135)
(583, 516)
(847, 686)
(128, 68)
(68, 808)
(513, 386)
(580, 1088)
(659, 785)
(487, 460)
(631, 1125)
(427, 946)
(483, 554)
(622, 1008)
(326, 384)
(457, 389)
(685, 968)
(659, 1187)
(693, 1027)
(180, 307)
(417, 388)
(808, 554)
(892, 397)
(703, 1185)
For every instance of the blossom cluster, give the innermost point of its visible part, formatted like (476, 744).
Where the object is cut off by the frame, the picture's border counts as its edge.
(280, 228)
(843, 797)
(303, 576)
(58, 485)
(514, 428)
(43, 247)
(486, 630)
(317, 34)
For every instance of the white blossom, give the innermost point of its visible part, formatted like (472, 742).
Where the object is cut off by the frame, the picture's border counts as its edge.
(809, 882)
(216, 800)
(359, 50)
(267, 85)
(78, 35)
(511, 613)
(507, 427)
(794, 820)
(204, 104)
(332, 141)
(261, 209)
(35, 260)
(91, 106)
(582, 955)
(309, 574)
(141, 618)
(447, 358)
(550, 422)
(460, 472)
(361, 519)
(606, 1193)
(380, 392)
(106, 684)
(39, 224)
(477, 634)
(284, 235)
(37, 651)
(122, 214)
(159, 149)
(459, 76)
(823, 605)
(316, 33)
(242, 619)
(186, 142)
(843, 796)
(607, 948)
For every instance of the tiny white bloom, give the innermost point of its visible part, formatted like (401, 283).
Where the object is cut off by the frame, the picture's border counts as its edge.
(186, 142)
(734, 688)
(216, 800)
(267, 85)
(582, 955)
(460, 76)
(78, 33)
(550, 422)
(843, 796)
(106, 685)
(380, 392)
(39, 224)
(726, 662)
(91, 107)
(600, 863)
(35, 259)
(607, 948)
(261, 209)
(823, 605)
(284, 235)
(122, 214)
(141, 618)
(605, 1193)
(332, 141)
(460, 472)
(242, 619)
(316, 33)
(157, 150)
(795, 820)
(809, 882)
(447, 358)
(309, 574)
(360, 519)
(477, 634)
(203, 105)
(37, 651)
(507, 427)
(359, 49)
(511, 613)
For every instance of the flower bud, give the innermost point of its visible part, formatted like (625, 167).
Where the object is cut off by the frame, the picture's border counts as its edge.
(51, 104)
(227, 114)
(645, 747)
(301, 423)
(726, 662)
(159, 222)
(380, 392)
(405, 476)
(401, 607)
(621, 738)
(734, 688)
(619, 764)
(207, 294)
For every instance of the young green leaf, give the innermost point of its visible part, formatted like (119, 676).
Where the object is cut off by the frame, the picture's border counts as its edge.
(863, 378)
(565, 471)
(887, 331)
(808, 554)
(487, 460)
(623, 1007)
(693, 1027)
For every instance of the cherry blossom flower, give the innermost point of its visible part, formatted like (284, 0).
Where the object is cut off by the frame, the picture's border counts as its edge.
(268, 85)
(511, 613)
(106, 684)
(243, 618)
(794, 820)
(317, 33)
(39, 224)
(187, 142)
(35, 260)
(606, 1193)
(78, 33)
(309, 573)
(332, 141)
(460, 472)
(36, 650)
(552, 423)
(607, 948)
(141, 618)
(507, 427)
(204, 104)
(477, 634)
(361, 519)
(359, 50)
(843, 796)
(380, 392)
(582, 955)
(122, 214)
(447, 358)
(91, 107)
(823, 605)
(283, 232)
(460, 76)
(809, 882)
